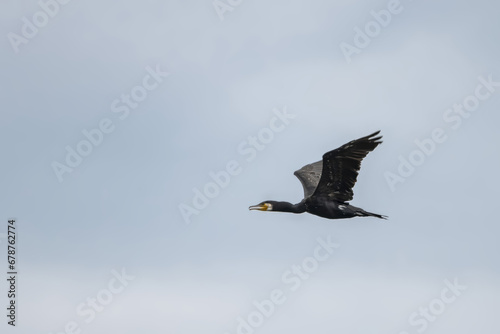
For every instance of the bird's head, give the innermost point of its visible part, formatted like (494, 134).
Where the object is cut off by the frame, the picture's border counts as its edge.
(263, 206)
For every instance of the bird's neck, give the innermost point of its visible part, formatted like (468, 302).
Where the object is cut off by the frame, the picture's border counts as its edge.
(289, 207)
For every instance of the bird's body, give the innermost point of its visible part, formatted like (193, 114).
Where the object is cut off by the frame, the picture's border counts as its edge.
(327, 208)
(328, 183)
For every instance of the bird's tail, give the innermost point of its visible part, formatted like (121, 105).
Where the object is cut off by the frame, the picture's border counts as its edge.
(364, 213)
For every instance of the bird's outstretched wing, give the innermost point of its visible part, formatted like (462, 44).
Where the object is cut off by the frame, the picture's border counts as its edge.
(309, 176)
(341, 166)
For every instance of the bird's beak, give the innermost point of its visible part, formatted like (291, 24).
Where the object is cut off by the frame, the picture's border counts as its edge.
(261, 207)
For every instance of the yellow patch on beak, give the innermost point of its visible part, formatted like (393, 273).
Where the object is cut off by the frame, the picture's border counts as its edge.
(261, 207)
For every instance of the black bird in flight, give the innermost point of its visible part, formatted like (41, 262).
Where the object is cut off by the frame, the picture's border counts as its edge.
(328, 183)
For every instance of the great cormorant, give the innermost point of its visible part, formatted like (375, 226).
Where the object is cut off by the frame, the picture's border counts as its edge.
(328, 183)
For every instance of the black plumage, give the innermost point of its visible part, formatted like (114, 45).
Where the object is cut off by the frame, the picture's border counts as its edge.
(328, 183)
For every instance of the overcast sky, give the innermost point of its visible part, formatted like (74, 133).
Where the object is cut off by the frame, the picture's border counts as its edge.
(135, 135)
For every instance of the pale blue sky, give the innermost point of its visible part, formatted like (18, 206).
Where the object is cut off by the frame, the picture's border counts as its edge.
(120, 207)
